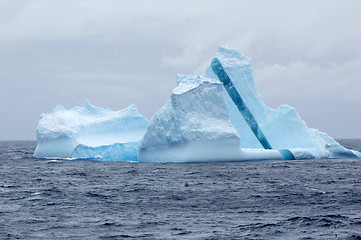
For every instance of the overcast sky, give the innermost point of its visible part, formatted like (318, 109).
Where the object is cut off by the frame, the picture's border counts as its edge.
(113, 53)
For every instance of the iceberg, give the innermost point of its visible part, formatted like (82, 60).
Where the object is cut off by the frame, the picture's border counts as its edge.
(282, 127)
(193, 126)
(204, 121)
(90, 132)
(219, 116)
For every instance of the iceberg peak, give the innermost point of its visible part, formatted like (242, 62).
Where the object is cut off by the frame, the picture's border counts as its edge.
(232, 55)
(132, 109)
(92, 109)
(187, 82)
(58, 108)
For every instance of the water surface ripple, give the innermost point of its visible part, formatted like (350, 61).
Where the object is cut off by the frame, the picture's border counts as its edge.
(51, 199)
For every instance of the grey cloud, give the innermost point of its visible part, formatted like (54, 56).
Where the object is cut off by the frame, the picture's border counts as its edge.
(114, 53)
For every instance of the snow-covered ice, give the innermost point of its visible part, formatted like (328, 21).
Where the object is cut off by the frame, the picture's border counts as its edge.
(90, 132)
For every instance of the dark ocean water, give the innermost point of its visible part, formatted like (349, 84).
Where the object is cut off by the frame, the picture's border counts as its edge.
(44, 199)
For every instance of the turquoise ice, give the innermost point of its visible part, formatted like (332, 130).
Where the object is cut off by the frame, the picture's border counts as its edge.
(238, 101)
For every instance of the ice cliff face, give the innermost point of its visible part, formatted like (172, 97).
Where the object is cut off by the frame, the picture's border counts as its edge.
(193, 126)
(90, 132)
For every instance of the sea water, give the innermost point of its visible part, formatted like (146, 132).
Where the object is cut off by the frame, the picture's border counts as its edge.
(58, 199)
